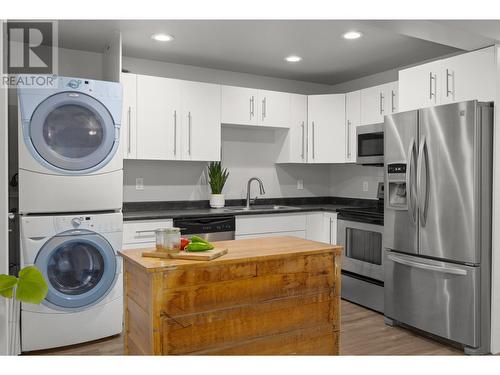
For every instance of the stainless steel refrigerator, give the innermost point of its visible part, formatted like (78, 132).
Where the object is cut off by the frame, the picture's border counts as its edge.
(437, 230)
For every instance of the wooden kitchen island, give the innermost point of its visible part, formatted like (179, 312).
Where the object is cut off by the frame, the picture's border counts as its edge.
(278, 295)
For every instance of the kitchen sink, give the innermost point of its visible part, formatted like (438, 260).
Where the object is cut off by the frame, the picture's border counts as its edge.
(260, 207)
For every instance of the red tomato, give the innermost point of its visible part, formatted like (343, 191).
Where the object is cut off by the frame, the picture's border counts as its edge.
(184, 242)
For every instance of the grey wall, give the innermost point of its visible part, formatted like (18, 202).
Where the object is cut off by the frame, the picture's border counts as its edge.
(346, 180)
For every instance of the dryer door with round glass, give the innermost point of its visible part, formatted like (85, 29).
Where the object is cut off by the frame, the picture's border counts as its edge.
(72, 132)
(80, 269)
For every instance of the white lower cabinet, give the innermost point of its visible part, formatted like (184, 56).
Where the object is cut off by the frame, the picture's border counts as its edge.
(253, 226)
(322, 227)
(141, 234)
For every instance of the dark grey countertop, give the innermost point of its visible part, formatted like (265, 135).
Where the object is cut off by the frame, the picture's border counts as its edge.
(165, 210)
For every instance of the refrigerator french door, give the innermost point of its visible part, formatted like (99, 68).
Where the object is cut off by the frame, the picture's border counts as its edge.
(437, 235)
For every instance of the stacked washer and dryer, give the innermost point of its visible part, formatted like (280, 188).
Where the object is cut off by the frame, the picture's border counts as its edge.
(70, 200)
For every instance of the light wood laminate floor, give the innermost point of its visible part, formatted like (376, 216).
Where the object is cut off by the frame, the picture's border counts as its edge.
(363, 332)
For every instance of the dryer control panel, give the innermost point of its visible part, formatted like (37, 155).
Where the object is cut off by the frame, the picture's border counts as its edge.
(100, 223)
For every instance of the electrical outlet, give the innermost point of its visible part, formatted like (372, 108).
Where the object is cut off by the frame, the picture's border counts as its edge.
(300, 184)
(139, 183)
(365, 185)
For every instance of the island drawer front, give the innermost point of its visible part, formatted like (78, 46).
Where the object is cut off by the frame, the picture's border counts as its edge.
(275, 223)
(196, 332)
(318, 340)
(141, 233)
(196, 290)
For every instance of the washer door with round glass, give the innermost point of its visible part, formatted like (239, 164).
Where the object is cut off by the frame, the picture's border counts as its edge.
(80, 269)
(72, 132)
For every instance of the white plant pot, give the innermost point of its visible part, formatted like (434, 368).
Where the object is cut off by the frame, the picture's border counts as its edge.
(217, 200)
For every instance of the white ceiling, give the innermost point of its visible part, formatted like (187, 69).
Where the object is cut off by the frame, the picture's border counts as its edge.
(259, 46)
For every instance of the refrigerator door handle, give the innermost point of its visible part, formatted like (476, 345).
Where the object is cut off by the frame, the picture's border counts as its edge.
(410, 182)
(425, 266)
(422, 198)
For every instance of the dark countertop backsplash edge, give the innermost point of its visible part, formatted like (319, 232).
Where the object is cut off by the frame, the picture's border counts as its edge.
(129, 207)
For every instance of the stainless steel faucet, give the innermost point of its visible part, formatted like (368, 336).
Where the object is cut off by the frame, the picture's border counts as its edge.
(261, 188)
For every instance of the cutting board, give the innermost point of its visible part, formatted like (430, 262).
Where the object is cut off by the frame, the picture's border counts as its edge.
(200, 255)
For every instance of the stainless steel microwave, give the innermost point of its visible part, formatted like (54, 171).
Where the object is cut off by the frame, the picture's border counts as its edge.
(370, 144)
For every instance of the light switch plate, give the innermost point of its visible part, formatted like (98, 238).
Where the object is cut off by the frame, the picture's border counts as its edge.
(300, 184)
(139, 183)
(365, 185)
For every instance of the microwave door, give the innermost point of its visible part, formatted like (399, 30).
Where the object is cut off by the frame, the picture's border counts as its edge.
(400, 166)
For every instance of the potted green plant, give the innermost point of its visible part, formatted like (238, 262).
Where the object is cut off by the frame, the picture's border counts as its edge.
(29, 287)
(217, 177)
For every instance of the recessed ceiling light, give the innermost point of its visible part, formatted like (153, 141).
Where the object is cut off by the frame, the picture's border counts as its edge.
(352, 35)
(160, 37)
(293, 58)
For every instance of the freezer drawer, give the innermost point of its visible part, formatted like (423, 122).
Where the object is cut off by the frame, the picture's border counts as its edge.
(436, 297)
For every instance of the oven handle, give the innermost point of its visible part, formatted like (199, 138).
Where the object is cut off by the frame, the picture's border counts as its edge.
(428, 267)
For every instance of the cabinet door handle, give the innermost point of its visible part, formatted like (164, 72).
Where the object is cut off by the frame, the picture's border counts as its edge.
(264, 109)
(448, 76)
(432, 77)
(128, 131)
(175, 132)
(381, 103)
(252, 106)
(393, 96)
(348, 138)
(303, 130)
(189, 133)
(313, 141)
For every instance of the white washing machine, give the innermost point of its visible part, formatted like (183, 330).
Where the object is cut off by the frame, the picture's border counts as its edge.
(68, 147)
(77, 254)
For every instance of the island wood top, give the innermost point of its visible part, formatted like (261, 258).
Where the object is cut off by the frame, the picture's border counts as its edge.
(238, 250)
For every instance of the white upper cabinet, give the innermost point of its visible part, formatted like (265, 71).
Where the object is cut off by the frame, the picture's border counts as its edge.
(464, 77)
(294, 140)
(176, 120)
(326, 128)
(158, 118)
(469, 76)
(128, 138)
(378, 101)
(273, 109)
(243, 106)
(200, 130)
(373, 100)
(238, 106)
(353, 119)
(418, 86)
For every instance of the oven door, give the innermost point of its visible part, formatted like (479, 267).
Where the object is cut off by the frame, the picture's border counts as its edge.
(362, 252)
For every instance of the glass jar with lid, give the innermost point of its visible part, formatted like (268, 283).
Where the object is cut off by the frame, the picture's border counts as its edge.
(168, 239)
